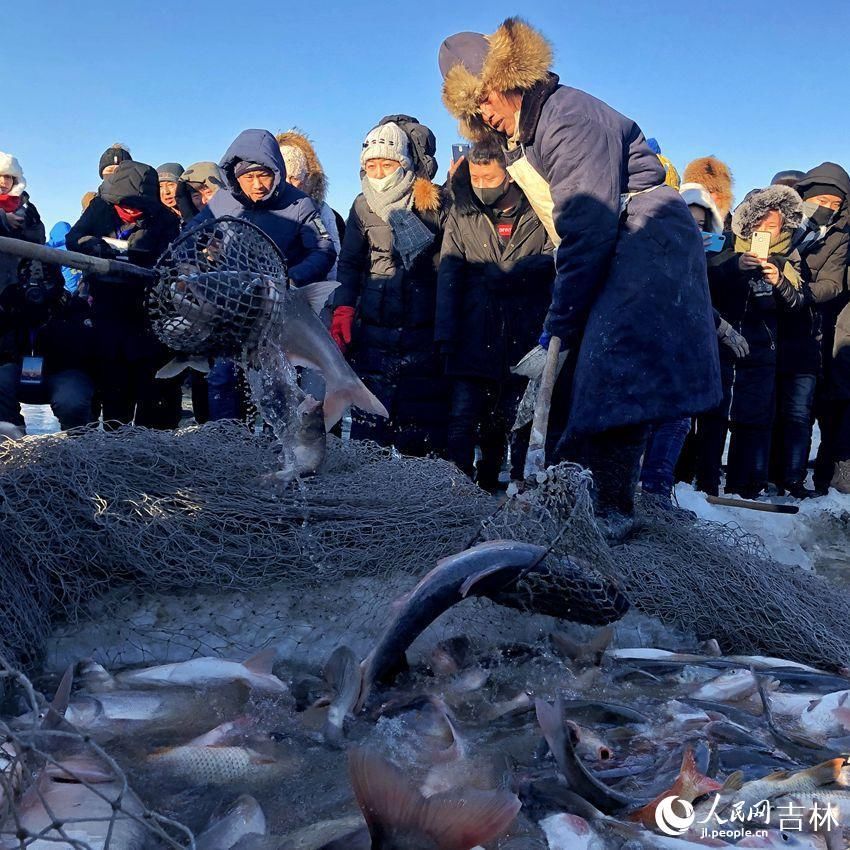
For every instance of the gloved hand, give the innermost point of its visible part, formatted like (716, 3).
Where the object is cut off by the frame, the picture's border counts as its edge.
(94, 246)
(341, 323)
(545, 339)
(732, 339)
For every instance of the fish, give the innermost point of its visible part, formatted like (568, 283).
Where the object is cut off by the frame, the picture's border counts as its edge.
(244, 817)
(255, 672)
(214, 765)
(780, 783)
(306, 342)
(828, 716)
(579, 778)
(518, 575)
(326, 834)
(451, 655)
(522, 703)
(343, 674)
(78, 793)
(396, 813)
(732, 686)
(176, 366)
(308, 444)
(588, 743)
(688, 786)
(589, 654)
(759, 662)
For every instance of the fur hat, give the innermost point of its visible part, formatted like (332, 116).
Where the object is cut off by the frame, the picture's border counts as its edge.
(716, 177)
(758, 203)
(315, 183)
(516, 57)
(10, 167)
(695, 195)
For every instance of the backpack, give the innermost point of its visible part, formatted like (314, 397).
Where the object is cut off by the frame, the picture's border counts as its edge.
(423, 143)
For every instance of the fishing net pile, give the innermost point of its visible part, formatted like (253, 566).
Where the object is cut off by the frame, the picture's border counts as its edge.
(60, 788)
(97, 525)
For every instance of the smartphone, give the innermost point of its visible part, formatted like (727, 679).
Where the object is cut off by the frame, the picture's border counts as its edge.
(760, 244)
(713, 241)
(458, 151)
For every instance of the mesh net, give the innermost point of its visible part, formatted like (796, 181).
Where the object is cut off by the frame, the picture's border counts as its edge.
(220, 285)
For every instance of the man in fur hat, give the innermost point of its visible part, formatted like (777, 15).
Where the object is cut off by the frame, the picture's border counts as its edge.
(630, 298)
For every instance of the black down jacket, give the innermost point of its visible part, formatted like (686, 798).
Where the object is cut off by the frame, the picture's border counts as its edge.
(392, 346)
(491, 300)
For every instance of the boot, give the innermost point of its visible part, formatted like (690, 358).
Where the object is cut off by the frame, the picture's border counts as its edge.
(841, 477)
(798, 490)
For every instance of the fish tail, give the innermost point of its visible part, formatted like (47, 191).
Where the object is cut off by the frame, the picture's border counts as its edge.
(466, 818)
(351, 393)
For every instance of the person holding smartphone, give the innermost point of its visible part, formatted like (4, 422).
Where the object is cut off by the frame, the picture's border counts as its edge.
(757, 278)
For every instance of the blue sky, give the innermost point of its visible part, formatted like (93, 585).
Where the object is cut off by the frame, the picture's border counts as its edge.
(178, 81)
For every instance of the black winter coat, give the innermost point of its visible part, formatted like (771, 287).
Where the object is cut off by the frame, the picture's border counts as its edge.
(121, 298)
(491, 300)
(827, 263)
(392, 346)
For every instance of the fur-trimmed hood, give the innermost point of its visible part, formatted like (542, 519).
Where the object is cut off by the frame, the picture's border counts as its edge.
(10, 166)
(759, 202)
(427, 196)
(695, 194)
(716, 177)
(517, 57)
(316, 182)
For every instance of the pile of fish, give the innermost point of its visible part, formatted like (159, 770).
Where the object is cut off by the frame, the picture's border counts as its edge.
(565, 743)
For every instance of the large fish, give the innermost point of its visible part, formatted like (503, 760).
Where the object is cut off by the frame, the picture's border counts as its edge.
(399, 817)
(256, 672)
(78, 794)
(518, 575)
(244, 817)
(342, 673)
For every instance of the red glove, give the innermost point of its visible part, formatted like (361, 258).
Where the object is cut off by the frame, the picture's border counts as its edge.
(343, 319)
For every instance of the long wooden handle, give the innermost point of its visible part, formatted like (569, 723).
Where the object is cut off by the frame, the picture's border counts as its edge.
(726, 502)
(72, 259)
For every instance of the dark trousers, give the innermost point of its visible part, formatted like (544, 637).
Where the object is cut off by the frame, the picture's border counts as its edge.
(613, 457)
(663, 447)
(753, 411)
(225, 396)
(69, 394)
(834, 422)
(792, 431)
(482, 413)
(710, 432)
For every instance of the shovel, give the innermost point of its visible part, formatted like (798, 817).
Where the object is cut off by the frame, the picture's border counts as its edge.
(535, 459)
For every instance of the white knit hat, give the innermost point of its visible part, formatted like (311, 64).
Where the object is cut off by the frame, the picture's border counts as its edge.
(295, 162)
(9, 166)
(387, 141)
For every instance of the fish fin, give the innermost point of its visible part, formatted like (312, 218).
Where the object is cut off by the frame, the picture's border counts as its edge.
(777, 774)
(734, 782)
(826, 772)
(172, 369)
(79, 768)
(259, 758)
(479, 576)
(339, 666)
(352, 393)
(262, 661)
(691, 781)
(467, 817)
(317, 294)
(387, 798)
(56, 713)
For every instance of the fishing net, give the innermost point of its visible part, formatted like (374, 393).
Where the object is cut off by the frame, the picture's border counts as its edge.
(59, 788)
(220, 286)
(142, 532)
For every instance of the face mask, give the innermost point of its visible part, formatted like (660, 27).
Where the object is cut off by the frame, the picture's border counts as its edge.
(821, 216)
(384, 184)
(491, 197)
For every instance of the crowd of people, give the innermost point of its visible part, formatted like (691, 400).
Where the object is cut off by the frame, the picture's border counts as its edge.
(683, 319)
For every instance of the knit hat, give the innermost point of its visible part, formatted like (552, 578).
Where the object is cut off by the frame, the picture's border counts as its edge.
(296, 162)
(169, 172)
(114, 155)
(10, 167)
(387, 141)
(789, 177)
(205, 173)
(822, 189)
(243, 167)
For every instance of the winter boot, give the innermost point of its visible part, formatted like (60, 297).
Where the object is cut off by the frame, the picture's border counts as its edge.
(841, 478)
(798, 490)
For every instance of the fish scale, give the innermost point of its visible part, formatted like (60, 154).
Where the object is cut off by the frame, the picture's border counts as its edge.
(213, 765)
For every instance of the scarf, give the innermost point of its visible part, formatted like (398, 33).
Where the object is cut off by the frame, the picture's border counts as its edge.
(127, 215)
(395, 206)
(10, 203)
(780, 247)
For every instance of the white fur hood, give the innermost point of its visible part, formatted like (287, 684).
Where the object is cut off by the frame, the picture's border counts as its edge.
(9, 165)
(696, 193)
